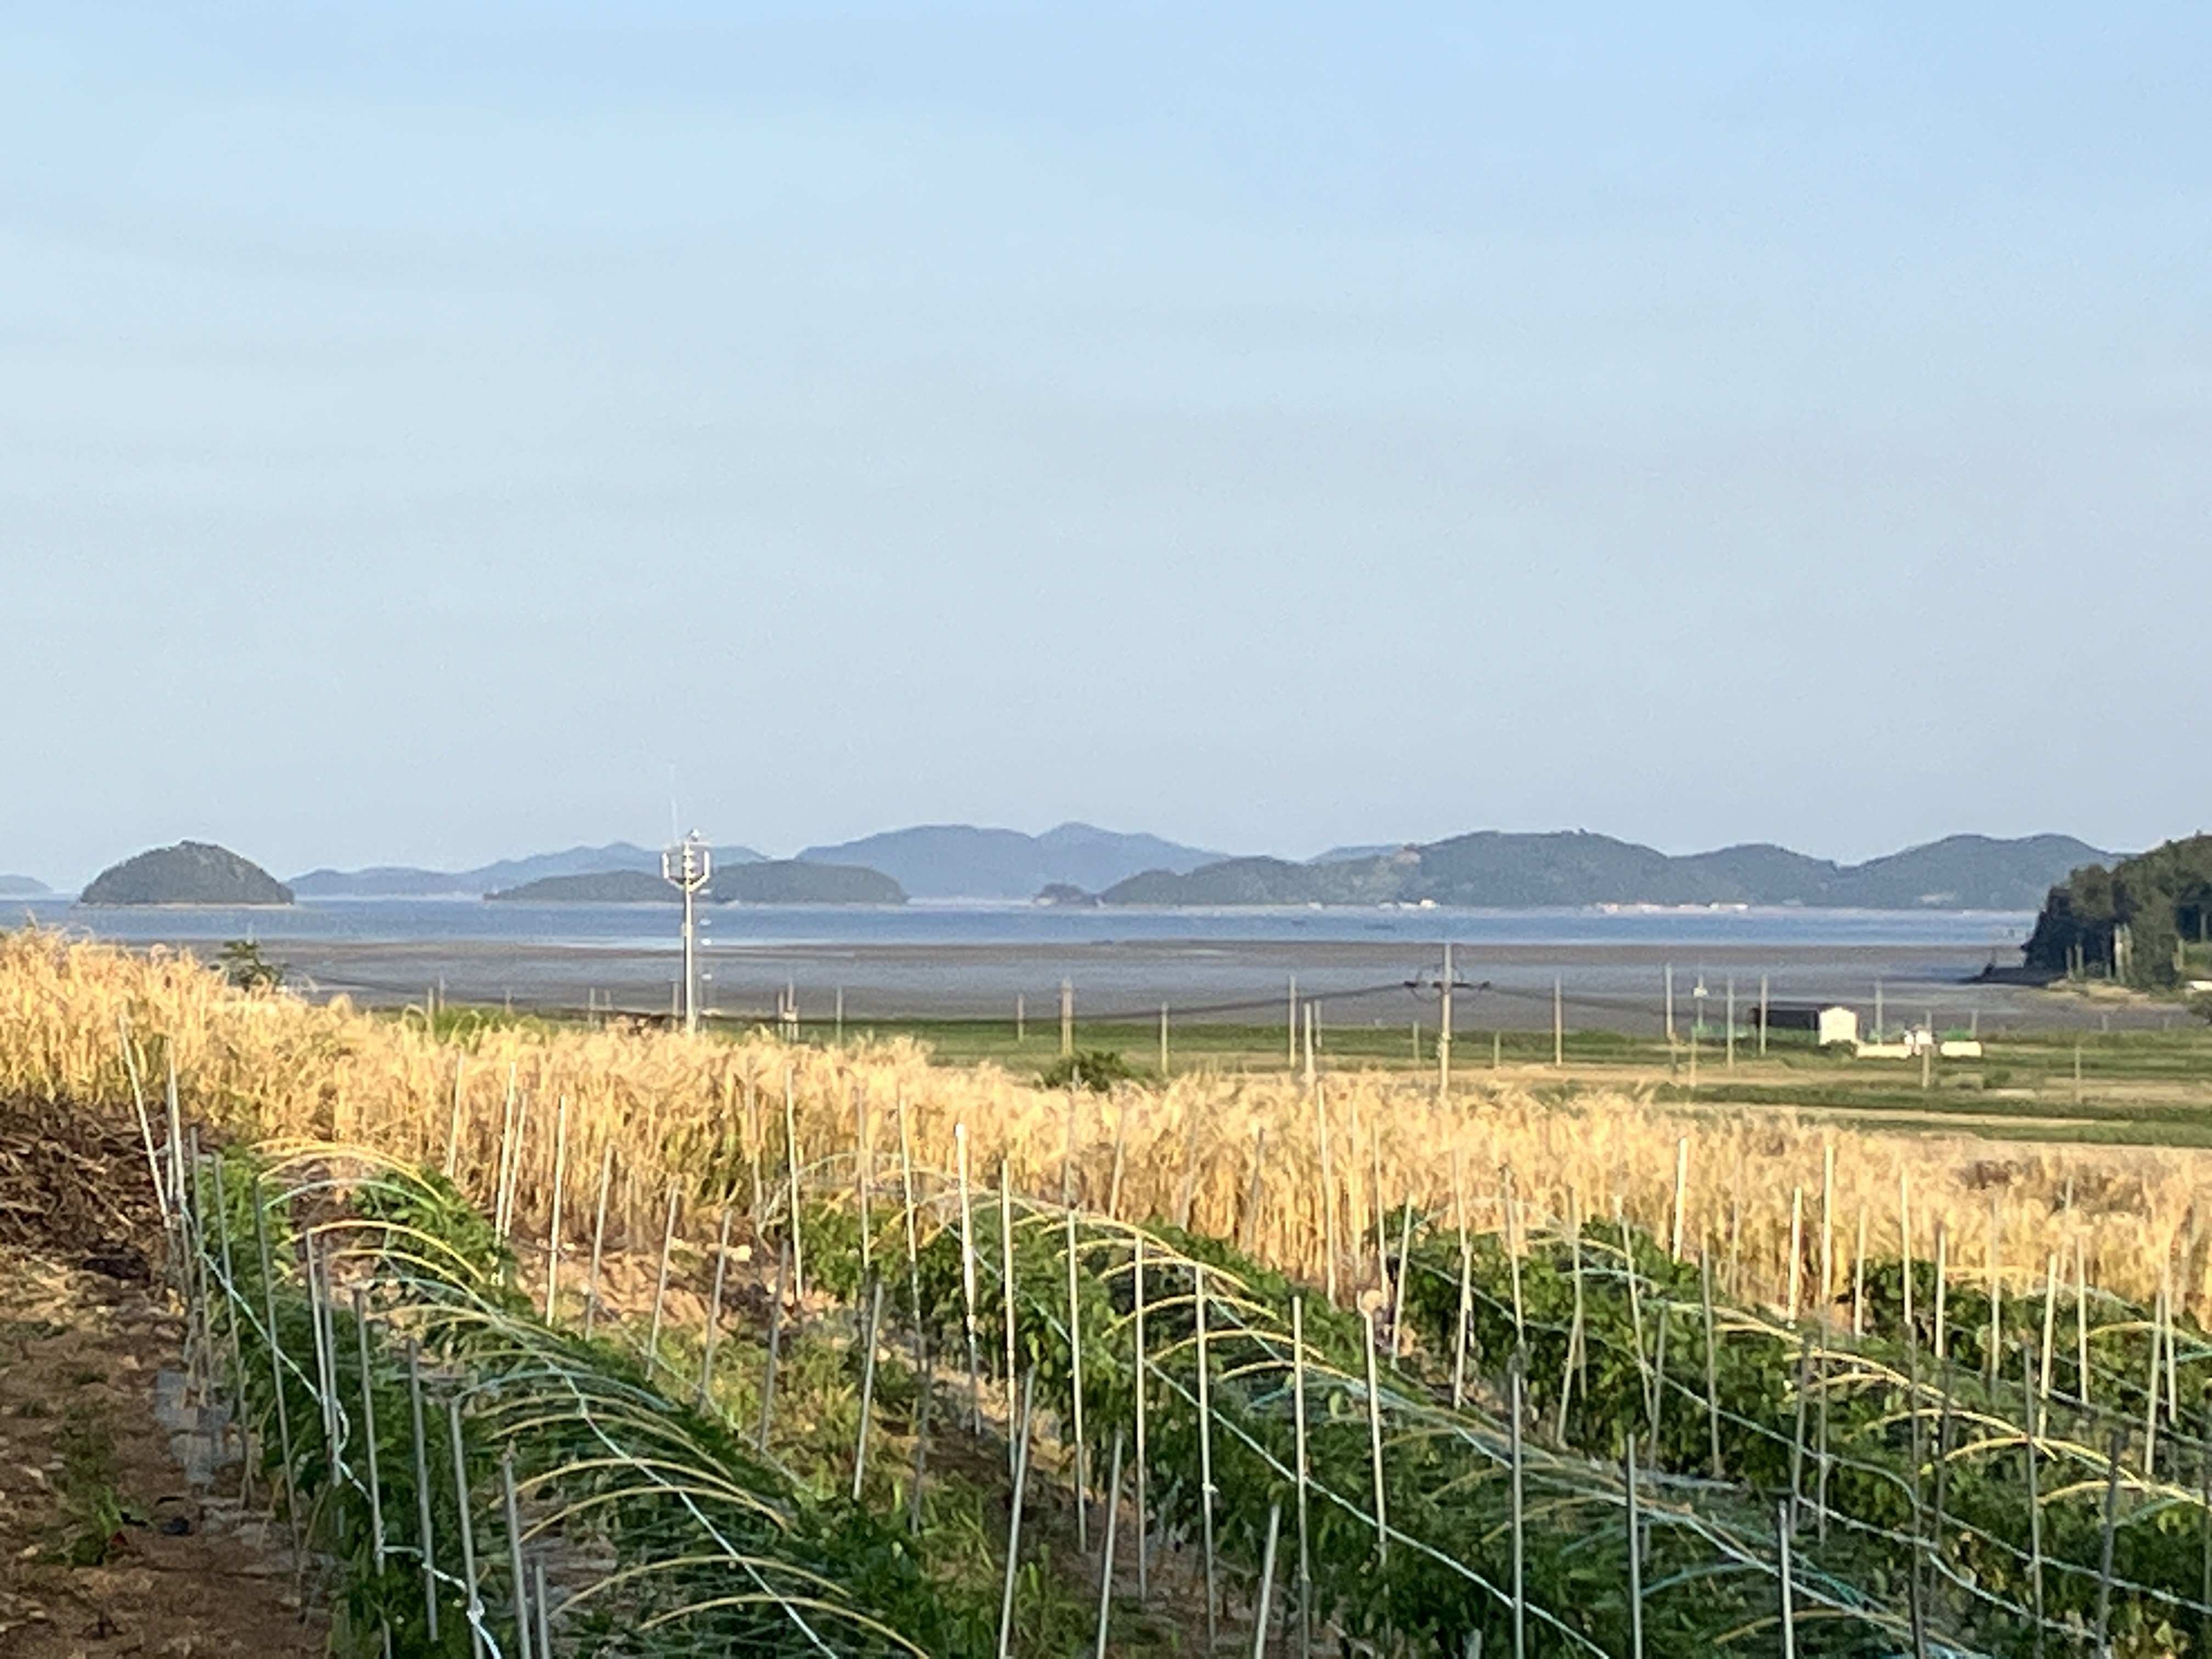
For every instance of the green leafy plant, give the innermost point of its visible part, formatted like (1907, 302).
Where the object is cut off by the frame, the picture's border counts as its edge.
(1095, 1069)
(246, 968)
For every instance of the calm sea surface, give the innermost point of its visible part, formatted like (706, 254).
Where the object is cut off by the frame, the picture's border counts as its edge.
(1608, 966)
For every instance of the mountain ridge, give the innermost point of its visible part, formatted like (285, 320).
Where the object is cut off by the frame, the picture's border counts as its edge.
(1498, 869)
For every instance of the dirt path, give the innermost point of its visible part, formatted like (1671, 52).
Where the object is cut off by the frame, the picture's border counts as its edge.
(107, 1547)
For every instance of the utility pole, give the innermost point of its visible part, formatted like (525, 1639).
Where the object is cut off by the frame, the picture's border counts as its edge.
(686, 867)
(1670, 1004)
(1762, 1016)
(1444, 1030)
(1731, 1023)
(1442, 985)
(1558, 1023)
(1291, 1042)
(1066, 1018)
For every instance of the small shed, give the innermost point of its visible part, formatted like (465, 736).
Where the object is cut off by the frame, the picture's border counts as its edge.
(1839, 1024)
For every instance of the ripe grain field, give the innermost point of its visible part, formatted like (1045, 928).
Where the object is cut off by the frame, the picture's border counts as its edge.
(1380, 1368)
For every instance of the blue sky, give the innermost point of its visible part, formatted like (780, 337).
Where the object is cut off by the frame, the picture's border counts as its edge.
(425, 429)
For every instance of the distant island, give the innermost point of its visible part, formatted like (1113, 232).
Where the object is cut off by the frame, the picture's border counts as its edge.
(769, 881)
(412, 881)
(1081, 865)
(960, 860)
(1494, 869)
(23, 887)
(191, 872)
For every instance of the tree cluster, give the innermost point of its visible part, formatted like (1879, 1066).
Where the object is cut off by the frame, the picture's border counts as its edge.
(2136, 922)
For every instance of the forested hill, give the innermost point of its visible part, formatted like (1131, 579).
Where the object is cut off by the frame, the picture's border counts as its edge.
(1495, 868)
(2146, 920)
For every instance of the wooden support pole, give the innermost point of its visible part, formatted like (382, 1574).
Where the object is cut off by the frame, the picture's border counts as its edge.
(1205, 1493)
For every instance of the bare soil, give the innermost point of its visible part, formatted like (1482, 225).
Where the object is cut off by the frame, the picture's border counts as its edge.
(107, 1546)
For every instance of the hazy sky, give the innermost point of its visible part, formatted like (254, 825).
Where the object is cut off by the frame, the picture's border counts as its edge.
(423, 426)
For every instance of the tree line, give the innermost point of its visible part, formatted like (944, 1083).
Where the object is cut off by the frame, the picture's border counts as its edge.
(2138, 922)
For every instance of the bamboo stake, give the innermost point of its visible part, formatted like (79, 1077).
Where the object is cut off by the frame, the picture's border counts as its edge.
(1712, 1361)
(230, 1300)
(1143, 1375)
(864, 1175)
(1460, 1330)
(867, 1383)
(1782, 1575)
(2049, 1320)
(2150, 1405)
(912, 1224)
(1381, 1222)
(1007, 1311)
(1822, 1461)
(1075, 1378)
(1375, 1443)
(2165, 1323)
(1682, 1196)
(505, 1152)
(1014, 1519)
(713, 1331)
(660, 1284)
(515, 1567)
(2034, 1502)
(1398, 1297)
(1298, 1419)
(968, 1277)
(145, 1123)
(538, 1601)
(2105, 1540)
(1635, 1561)
(368, 1433)
(474, 1601)
(553, 1227)
(1942, 1239)
(791, 1157)
(1515, 1384)
(1205, 1456)
(426, 1533)
(1797, 1432)
(1267, 1569)
(1113, 1515)
(598, 1237)
(276, 1364)
(1512, 1255)
(2081, 1319)
(1465, 1287)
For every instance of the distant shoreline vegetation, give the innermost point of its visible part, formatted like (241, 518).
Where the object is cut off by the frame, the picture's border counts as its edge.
(773, 881)
(2145, 922)
(1493, 870)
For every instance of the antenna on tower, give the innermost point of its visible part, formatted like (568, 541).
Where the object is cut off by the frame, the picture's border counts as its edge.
(687, 867)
